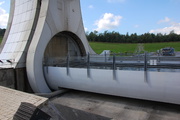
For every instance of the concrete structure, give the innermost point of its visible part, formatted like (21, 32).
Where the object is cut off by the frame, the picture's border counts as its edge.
(39, 29)
(20, 30)
(76, 105)
(43, 30)
(7, 78)
(11, 100)
(59, 24)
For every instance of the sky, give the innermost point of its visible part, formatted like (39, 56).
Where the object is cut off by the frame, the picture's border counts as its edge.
(123, 16)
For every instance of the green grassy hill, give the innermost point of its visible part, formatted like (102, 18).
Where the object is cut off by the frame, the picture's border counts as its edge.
(98, 47)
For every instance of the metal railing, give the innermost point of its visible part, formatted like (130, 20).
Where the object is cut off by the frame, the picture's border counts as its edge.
(111, 61)
(114, 62)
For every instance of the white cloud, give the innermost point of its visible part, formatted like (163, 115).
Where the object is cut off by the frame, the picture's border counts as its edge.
(175, 27)
(108, 21)
(91, 6)
(165, 20)
(136, 26)
(114, 1)
(86, 29)
(3, 17)
(2, 2)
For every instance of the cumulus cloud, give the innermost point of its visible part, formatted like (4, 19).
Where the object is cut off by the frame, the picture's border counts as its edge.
(113, 1)
(91, 6)
(3, 16)
(166, 30)
(165, 20)
(173, 26)
(2, 2)
(108, 21)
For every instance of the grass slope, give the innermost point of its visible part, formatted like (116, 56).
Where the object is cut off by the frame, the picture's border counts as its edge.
(1, 39)
(98, 47)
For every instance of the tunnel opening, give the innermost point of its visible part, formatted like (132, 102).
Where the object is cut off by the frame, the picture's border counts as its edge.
(62, 45)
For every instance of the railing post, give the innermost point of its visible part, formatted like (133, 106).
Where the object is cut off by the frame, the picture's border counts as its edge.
(105, 57)
(67, 65)
(120, 57)
(88, 65)
(158, 57)
(114, 62)
(145, 68)
(114, 67)
(138, 57)
(145, 61)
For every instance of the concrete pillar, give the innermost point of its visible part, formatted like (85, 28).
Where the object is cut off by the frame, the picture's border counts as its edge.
(22, 83)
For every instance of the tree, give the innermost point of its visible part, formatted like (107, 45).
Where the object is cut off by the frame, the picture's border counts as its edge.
(116, 37)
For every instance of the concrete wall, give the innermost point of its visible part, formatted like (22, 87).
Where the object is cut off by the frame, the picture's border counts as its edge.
(22, 82)
(7, 78)
(15, 79)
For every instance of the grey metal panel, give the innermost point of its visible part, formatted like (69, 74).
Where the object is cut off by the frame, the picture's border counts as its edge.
(161, 86)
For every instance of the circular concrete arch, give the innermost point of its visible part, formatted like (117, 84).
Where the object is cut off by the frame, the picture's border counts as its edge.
(38, 82)
(54, 19)
(60, 46)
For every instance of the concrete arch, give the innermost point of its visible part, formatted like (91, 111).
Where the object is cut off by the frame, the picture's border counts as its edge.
(56, 16)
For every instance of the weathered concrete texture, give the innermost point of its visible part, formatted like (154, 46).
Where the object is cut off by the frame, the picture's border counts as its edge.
(15, 79)
(116, 108)
(7, 78)
(10, 101)
(61, 112)
(22, 82)
(21, 26)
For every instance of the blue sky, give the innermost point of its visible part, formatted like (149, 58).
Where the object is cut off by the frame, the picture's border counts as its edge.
(132, 16)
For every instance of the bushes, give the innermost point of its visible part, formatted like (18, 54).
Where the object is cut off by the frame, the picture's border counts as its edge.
(116, 37)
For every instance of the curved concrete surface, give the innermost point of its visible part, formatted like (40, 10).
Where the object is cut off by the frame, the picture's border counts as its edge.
(56, 16)
(11, 15)
(21, 25)
(53, 29)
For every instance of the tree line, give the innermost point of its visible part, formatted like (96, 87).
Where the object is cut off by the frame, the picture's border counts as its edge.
(116, 37)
